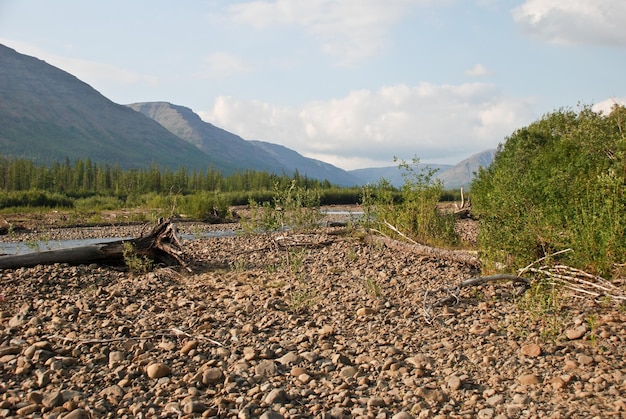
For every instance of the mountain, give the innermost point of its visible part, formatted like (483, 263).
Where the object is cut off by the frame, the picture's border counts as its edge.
(392, 174)
(292, 161)
(463, 173)
(236, 151)
(453, 177)
(48, 115)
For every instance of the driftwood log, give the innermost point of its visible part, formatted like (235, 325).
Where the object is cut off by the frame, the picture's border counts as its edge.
(162, 245)
(461, 256)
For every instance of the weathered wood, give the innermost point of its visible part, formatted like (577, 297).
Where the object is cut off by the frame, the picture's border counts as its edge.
(162, 245)
(462, 256)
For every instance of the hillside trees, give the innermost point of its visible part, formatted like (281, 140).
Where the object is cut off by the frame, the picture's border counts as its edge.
(558, 183)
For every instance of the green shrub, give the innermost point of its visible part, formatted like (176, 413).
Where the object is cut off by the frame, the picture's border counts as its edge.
(558, 183)
(294, 207)
(413, 211)
(34, 199)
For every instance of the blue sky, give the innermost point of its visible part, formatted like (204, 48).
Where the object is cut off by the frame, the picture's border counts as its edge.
(350, 82)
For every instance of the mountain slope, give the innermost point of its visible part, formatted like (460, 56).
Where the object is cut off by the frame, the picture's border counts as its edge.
(213, 141)
(463, 173)
(453, 177)
(307, 167)
(392, 174)
(236, 151)
(47, 115)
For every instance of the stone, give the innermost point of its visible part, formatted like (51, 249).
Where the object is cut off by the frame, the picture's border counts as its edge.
(402, 415)
(528, 379)
(486, 413)
(53, 399)
(10, 350)
(495, 400)
(349, 371)
(584, 359)
(249, 353)
(454, 383)
(557, 383)
(576, 333)
(188, 346)
(290, 358)
(28, 410)
(266, 368)
(35, 397)
(532, 350)
(270, 414)
(365, 311)
(296, 371)
(78, 414)
(212, 376)
(304, 378)
(276, 396)
(194, 406)
(376, 402)
(158, 370)
(115, 357)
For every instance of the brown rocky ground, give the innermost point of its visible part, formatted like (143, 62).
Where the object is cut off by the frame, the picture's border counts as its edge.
(329, 326)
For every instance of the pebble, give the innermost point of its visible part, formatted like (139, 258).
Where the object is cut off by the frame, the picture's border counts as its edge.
(454, 383)
(532, 350)
(158, 370)
(212, 376)
(478, 359)
(528, 379)
(188, 346)
(365, 311)
(576, 333)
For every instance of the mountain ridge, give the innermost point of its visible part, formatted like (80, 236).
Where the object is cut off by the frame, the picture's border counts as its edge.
(48, 115)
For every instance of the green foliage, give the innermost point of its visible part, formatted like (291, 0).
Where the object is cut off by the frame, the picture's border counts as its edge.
(135, 262)
(543, 303)
(558, 183)
(413, 211)
(293, 207)
(33, 199)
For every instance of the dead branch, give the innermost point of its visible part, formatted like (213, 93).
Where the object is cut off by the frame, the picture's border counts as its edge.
(581, 283)
(452, 293)
(460, 256)
(162, 245)
(464, 209)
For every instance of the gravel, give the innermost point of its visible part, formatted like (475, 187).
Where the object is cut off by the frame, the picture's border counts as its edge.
(333, 328)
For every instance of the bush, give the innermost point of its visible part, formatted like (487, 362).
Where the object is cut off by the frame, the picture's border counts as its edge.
(558, 183)
(413, 211)
(34, 199)
(295, 207)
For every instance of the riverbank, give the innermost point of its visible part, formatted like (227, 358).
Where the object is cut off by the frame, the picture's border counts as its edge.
(325, 325)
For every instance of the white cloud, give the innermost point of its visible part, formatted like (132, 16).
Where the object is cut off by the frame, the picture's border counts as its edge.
(606, 106)
(479, 70)
(369, 128)
(572, 22)
(349, 30)
(223, 64)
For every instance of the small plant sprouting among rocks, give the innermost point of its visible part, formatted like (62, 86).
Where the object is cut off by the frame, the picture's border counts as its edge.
(136, 263)
(301, 300)
(295, 208)
(239, 265)
(373, 288)
(542, 302)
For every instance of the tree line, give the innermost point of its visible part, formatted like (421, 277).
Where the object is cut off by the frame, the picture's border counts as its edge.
(85, 178)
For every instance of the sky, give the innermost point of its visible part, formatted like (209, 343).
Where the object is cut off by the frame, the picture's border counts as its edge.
(353, 83)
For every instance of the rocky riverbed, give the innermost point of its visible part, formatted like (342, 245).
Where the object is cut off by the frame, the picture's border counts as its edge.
(324, 325)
